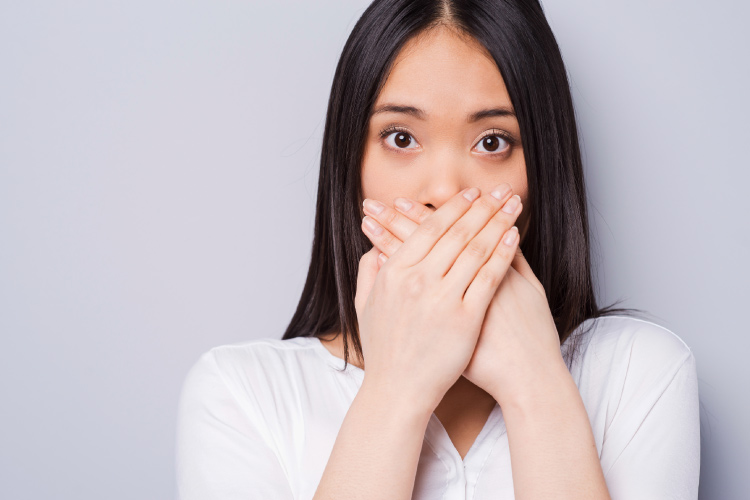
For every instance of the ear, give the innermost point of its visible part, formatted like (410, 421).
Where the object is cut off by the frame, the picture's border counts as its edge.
(521, 265)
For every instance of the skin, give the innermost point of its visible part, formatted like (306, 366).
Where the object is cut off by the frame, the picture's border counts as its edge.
(431, 162)
(448, 77)
(445, 154)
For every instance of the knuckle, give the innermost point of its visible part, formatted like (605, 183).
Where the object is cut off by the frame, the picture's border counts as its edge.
(415, 284)
(476, 249)
(390, 217)
(503, 251)
(458, 231)
(424, 212)
(387, 238)
(486, 204)
(430, 227)
(488, 276)
(499, 222)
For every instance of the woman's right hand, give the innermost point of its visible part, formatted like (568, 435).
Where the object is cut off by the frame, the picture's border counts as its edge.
(419, 320)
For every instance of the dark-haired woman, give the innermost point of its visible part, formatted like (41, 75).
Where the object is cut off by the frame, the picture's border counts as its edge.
(482, 367)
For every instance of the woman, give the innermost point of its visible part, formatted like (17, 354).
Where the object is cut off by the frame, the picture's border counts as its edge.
(465, 290)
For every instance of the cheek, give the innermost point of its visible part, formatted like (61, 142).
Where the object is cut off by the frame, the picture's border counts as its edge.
(370, 180)
(371, 172)
(381, 188)
(519, 181)
(380, 180)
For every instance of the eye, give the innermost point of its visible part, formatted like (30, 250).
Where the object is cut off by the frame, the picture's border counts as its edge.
(398, 139)
(494, 142)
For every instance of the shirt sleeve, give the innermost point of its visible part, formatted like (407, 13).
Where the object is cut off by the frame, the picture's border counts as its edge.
(221, 454)
(660, 455)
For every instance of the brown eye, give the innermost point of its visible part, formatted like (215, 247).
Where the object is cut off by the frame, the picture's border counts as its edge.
(400, 140)
(492, 144)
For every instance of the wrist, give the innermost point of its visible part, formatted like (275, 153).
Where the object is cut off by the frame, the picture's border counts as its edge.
(538, 390)
(397, 401)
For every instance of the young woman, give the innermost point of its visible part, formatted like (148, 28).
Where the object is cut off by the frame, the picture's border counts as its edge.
(447, 344)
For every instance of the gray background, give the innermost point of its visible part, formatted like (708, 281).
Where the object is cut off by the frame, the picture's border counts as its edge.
(158, 164)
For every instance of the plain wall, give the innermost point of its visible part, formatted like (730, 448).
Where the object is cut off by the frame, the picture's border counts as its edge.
(158, 171)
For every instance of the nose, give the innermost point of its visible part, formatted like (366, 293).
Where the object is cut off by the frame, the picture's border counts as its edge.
(442, 180)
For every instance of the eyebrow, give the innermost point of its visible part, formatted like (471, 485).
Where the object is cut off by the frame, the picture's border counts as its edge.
(420, 114)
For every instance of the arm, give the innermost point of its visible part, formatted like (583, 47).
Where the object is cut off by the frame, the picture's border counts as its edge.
(553, 452)
(220, 453)
(377, 449)
(419, 316)
(552, 448)
(654, 443)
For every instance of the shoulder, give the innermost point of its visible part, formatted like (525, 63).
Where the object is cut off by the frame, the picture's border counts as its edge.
(258, 360)
(621, 352)
(267, 353)
(254, 372)
(613, 338)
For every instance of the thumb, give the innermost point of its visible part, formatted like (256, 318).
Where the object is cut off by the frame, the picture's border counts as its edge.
(368, 270)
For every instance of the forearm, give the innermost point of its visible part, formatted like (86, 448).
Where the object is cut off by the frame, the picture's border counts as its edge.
(377, 448)
(552, 448)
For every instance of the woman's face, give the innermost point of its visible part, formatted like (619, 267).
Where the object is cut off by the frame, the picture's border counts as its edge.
(438, 126)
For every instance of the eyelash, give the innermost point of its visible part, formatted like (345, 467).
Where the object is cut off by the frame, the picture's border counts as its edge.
(490, 133)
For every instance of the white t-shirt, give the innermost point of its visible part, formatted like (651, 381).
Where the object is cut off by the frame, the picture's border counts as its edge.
(257, 421)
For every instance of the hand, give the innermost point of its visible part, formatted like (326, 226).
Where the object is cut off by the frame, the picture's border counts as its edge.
(420, 314)
(518, 348)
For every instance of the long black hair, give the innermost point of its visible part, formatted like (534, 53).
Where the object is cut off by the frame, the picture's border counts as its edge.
(556, 243)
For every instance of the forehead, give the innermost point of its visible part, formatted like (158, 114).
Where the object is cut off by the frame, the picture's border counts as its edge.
(441, 66)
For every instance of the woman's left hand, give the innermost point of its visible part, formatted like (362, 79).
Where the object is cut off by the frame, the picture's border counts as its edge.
(518, 351)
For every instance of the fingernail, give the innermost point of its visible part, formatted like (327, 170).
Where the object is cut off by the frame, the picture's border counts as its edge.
(510, 238)
(402, 204)
(373, 206)
(471, 194)
(500, 191)
(511, 205)
(382, 258)
(373, 226)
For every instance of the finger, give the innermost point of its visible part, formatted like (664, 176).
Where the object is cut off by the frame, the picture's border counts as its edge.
(366, 273)
(456, 238)
(521, 265)
(383, 239)
(399, 225)
(490, 275)
(479, 250)
(421, 242)
(412, 209)
(382, 258)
